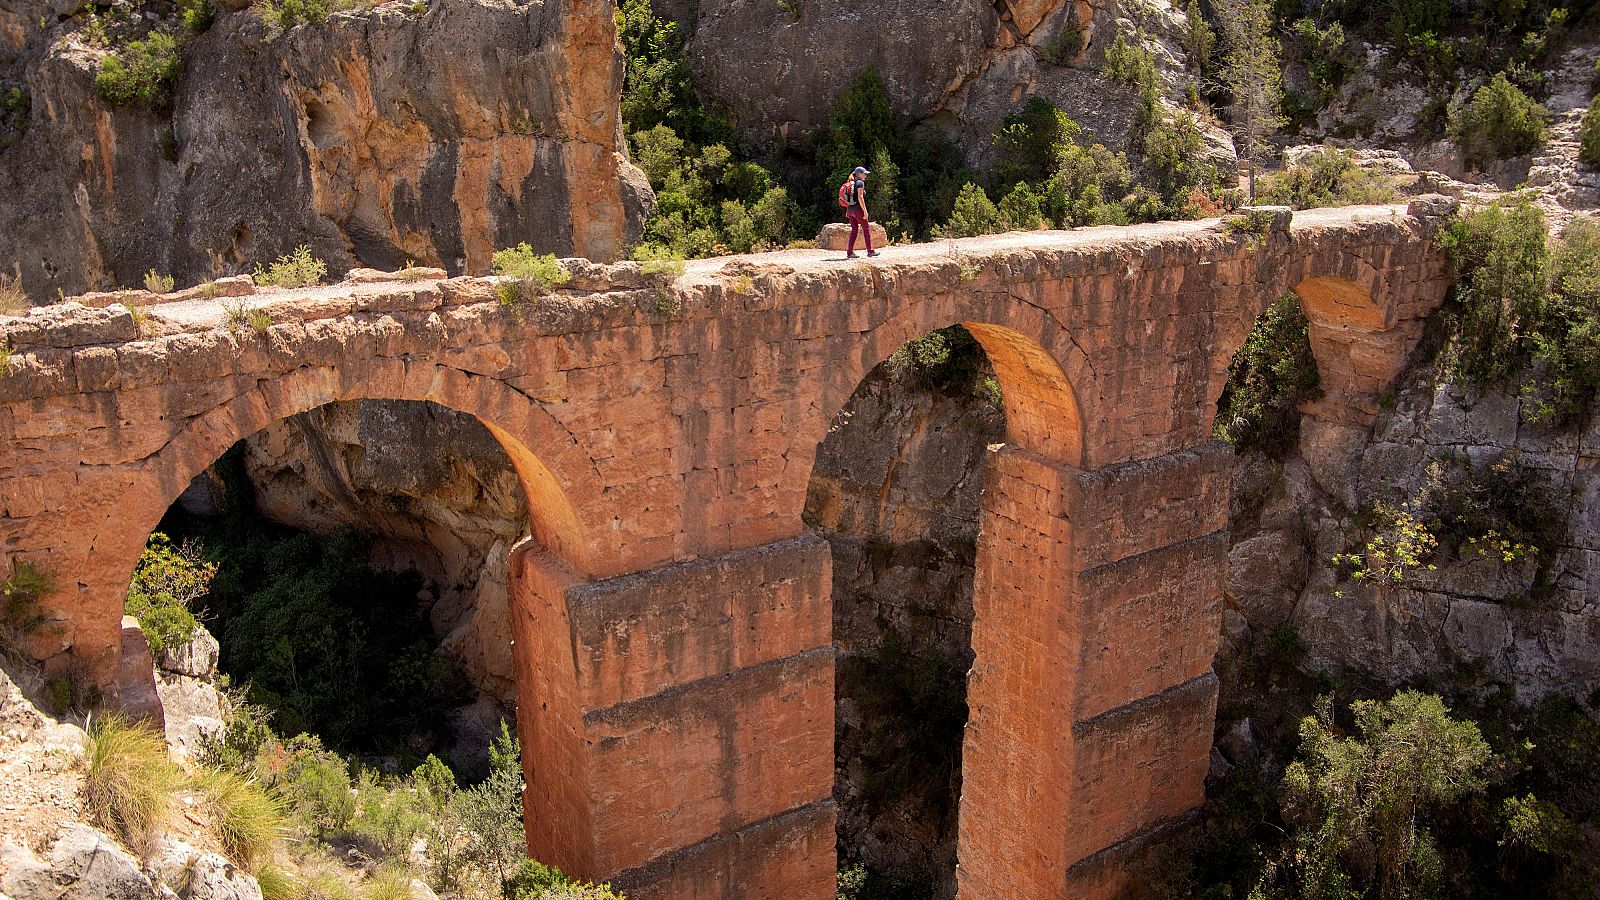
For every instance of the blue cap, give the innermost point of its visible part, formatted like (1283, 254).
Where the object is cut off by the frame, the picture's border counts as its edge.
(861, 170)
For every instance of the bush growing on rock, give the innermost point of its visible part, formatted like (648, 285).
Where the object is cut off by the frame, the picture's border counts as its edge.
(1501, 122)
(1589, 136)
(974, 214)
(531, 274)
(1328, 177)
(144, 70)
(167, 581)
(1361, 806)
(1271, 375)
(20, 596)
(294, 270)
(1526, 306)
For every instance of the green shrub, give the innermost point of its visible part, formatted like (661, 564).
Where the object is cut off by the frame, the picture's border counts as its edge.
(389, 817)
(196, 15)
(1067, 43)
(1271, 375)
(1022, 210)
(949, 360)
(156, 283)
(1589, 136)
(20, 596)
(1501, 122)
(529, 275)
(295, 270)
(277, 884)
(974, 214)
(1362, 804)
(15, 107)
(1567, 337)
(536, 881)
(1134, 64)
(1501, 254)
(144, 71)
(286, 14)
(167, 581)
(490, 812)
(249, 823)
(1328, 177)
(130, 782)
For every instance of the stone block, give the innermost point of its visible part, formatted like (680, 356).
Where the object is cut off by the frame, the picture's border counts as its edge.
(638, 635)
(787, 857)
(836, 236)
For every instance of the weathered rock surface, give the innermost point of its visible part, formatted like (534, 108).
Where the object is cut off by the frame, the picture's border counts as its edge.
(197, 875)
(1475, 623)
(83, 865)
(964, 65)
(382, 135)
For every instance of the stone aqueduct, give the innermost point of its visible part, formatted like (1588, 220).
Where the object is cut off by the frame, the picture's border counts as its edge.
(671, 612)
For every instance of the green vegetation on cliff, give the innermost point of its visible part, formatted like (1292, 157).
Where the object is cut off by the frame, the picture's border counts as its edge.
(1271, 375)
(713, 198)
(1398, 796)
(1528, 307)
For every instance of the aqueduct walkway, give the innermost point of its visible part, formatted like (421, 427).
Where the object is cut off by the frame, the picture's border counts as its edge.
(672, 614)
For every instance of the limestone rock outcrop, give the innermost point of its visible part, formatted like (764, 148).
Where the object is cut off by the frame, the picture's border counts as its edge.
(964, 65)
(431, 132)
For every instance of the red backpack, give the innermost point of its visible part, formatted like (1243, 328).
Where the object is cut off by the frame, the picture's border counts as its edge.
(845, 195)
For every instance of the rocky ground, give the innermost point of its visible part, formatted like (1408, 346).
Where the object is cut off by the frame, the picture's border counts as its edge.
(48, 851)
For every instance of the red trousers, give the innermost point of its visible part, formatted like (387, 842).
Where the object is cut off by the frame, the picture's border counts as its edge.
(858, 223)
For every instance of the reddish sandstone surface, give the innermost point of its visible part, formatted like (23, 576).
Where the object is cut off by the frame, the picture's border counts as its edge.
(672, 613)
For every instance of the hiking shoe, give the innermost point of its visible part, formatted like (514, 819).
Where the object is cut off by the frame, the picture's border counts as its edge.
(872, 253)
(851, 255)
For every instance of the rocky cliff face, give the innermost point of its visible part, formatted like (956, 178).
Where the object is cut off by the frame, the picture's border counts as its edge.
(435, 132)
(895, 490)
(1478, 621)
(964, 65)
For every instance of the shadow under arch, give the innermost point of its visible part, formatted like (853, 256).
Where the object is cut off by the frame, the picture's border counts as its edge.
(549, 480)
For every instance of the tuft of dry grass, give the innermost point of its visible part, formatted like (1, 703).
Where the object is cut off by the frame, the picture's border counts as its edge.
(13, 299)
(131, 780)
(387, 884)
(249, 822)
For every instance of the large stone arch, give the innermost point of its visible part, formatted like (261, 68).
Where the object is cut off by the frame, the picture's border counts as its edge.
(517, 422)
(551, 468)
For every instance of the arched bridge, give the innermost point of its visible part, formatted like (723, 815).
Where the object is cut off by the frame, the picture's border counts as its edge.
(671, 611)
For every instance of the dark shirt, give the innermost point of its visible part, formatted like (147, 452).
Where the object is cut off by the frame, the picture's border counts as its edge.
(856, 190)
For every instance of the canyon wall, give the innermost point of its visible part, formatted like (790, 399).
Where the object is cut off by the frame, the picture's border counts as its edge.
(435, 132)
(964, 65)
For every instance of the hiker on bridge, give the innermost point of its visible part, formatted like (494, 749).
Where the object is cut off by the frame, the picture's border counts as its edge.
(853, 197)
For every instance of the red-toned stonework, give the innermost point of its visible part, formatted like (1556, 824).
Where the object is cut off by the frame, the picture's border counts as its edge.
(671, 612)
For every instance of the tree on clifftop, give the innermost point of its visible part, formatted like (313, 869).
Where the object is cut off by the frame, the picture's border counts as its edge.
(1253, 74)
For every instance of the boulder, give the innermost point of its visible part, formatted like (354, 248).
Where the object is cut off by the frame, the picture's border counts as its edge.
(196, 659)
(836, 236)
(90, 866)
(197, 875)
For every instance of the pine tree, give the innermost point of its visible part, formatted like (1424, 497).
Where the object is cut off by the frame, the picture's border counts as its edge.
(1253, 74)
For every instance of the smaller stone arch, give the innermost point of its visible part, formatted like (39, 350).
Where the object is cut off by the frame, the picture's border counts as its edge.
(1359, 347)
(1034, 359)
